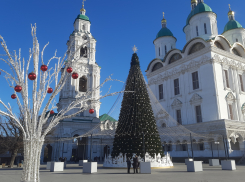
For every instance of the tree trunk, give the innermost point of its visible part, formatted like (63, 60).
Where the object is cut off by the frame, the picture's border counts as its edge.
(13, 155)
(32, 152)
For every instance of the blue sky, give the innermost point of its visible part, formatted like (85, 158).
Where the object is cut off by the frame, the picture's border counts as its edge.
(117, 25)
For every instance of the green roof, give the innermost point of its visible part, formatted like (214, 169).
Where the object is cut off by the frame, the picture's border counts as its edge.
(232, 24)
(105, 117)
(200, 8)
(82, 17)
(164, 32)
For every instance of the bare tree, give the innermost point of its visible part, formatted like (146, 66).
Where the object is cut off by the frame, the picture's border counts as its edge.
(11, 138)
(32, 128)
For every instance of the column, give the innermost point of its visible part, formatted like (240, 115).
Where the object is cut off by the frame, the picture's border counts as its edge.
(229, 145)
(237, 89)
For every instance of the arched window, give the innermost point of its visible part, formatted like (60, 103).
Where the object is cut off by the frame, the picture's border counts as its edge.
(75, 140)
(165, 50)
(205, 28)
(184, 147)
(197, 30)
(236, 40)
(107, 126)
(159, 51)
(169, 146)
(84, 52)
(157, 66)
(175, 57)
(236, 52)
(83, 27)
(196, 47)
(218, 45)
(164, 125)
(236, 145)
(83, 84)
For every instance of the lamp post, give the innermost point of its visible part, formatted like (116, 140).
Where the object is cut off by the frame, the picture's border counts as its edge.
(191, 147)
(212, 150)
(91, 147)
(217, 143)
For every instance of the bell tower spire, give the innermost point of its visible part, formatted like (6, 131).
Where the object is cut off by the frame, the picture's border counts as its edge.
(83, 11)
(164, 21)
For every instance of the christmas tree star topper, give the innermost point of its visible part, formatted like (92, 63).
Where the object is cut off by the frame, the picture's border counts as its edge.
(135, 49)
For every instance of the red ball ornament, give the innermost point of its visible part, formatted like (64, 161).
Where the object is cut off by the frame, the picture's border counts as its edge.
(13, 96)
(44, 68)
(17, 88)
(32, 76)
(74, 75)
(50, 90)
(69, 69)
(51, 112)
(91, 111)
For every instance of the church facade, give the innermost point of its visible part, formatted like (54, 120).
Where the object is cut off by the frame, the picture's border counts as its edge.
(202, 85)
(82, 45)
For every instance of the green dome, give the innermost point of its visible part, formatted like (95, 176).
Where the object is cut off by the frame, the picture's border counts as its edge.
(164, 32)
(200, 8)
(232, 24)
(82, 17)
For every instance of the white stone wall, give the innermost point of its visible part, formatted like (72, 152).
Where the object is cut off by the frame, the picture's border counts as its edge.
(235, 35)
(198, 21)
(168, 41)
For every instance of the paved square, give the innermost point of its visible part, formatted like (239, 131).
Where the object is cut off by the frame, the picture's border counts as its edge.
(178, 173)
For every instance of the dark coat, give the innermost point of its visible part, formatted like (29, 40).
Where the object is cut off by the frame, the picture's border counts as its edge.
(128, 163)
(135, 162)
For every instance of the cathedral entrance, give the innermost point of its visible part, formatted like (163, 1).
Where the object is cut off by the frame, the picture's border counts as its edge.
(47, 153)
(79, 150)
(82, 148)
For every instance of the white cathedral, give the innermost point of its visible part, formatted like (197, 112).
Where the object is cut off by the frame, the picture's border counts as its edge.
(200, 86)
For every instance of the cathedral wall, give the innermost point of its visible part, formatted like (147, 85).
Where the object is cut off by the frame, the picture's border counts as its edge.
(196, 24)
(230, 80)
(188, 98)
(161, 42)
(235, 35)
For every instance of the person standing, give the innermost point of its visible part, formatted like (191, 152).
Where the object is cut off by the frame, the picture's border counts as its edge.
(129, 164)
(136, 164)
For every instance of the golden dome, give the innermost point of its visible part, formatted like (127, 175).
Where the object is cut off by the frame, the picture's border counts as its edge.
(82, 10)
(193, 1)
(230, 13)
(164, 20)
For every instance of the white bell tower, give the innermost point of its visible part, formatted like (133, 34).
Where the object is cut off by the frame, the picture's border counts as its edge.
(83, 44)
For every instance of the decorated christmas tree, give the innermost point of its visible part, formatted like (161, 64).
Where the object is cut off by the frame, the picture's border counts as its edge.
(137, 130)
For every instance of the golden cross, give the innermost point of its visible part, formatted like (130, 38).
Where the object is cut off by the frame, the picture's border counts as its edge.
(163, 14)
(83, 2)
(229, 6)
